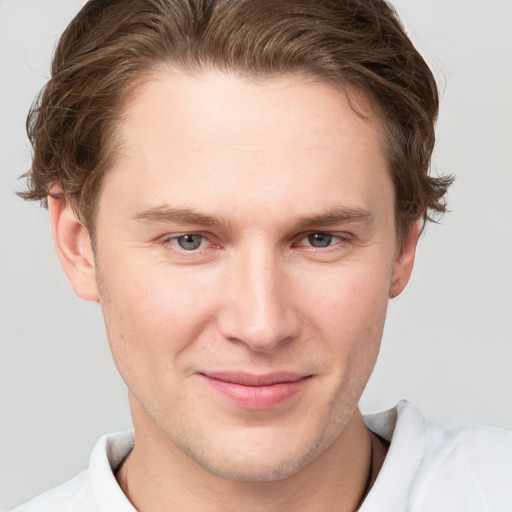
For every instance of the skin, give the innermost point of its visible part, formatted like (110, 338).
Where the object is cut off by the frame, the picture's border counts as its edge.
(254, 170)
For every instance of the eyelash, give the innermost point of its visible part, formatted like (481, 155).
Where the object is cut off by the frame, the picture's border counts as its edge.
(336, 238)
(173, 240)
(320, 234)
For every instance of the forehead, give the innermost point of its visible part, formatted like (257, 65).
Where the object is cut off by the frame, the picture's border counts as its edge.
(186, 137)
(214, 99)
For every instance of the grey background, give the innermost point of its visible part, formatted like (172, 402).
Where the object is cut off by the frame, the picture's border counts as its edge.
(447, 345)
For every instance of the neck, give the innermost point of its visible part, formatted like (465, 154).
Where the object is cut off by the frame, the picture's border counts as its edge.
(158, 477)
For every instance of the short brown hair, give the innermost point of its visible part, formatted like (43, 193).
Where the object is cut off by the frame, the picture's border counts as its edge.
(111, 44)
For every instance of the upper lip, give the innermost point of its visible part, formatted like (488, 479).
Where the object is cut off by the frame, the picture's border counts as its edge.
(249, 379)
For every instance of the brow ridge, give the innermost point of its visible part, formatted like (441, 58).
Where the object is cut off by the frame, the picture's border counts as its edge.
(167, 213)
(337, 215)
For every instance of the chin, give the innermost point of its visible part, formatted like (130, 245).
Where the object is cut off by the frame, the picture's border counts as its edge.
(255, 471)
(252, 461)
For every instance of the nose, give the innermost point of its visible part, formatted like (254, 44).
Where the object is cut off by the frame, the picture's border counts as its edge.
(258, 307)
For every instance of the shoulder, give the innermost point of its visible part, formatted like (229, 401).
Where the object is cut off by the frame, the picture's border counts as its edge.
(473, 463)
(93, 490)
(430, 469)
(73, 495)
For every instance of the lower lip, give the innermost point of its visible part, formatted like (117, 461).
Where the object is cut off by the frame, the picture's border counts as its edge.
(257, 397)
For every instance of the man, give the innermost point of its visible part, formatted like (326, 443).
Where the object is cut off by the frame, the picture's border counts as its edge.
(241, 185)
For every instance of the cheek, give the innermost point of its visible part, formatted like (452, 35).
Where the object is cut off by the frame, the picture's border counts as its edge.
(150, 316)
(348, 315)
(147, 295)
(352, 300)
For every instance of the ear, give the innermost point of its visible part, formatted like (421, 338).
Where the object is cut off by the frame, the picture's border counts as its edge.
(74, 248)
(404, 262)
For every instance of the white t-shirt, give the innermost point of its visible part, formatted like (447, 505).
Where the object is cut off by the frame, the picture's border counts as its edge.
(468, 469)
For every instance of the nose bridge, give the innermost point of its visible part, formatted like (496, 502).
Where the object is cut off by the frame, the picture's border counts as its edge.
(259, 311)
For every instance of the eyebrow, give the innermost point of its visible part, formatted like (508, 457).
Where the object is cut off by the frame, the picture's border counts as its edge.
(167, 213)
(331, 217)
(334, 216)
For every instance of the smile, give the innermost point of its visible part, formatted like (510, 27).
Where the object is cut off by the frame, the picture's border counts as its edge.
(256, 392)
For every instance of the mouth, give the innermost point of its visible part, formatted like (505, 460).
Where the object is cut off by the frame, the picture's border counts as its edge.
(256, 392)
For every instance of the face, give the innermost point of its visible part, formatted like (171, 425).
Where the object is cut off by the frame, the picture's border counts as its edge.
(245, 257)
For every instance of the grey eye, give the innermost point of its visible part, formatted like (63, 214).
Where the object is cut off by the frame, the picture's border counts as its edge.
(189, 242)
(319, 239)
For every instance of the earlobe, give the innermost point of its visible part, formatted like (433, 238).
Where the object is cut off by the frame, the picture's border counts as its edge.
(404, 262)
(73, 246)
